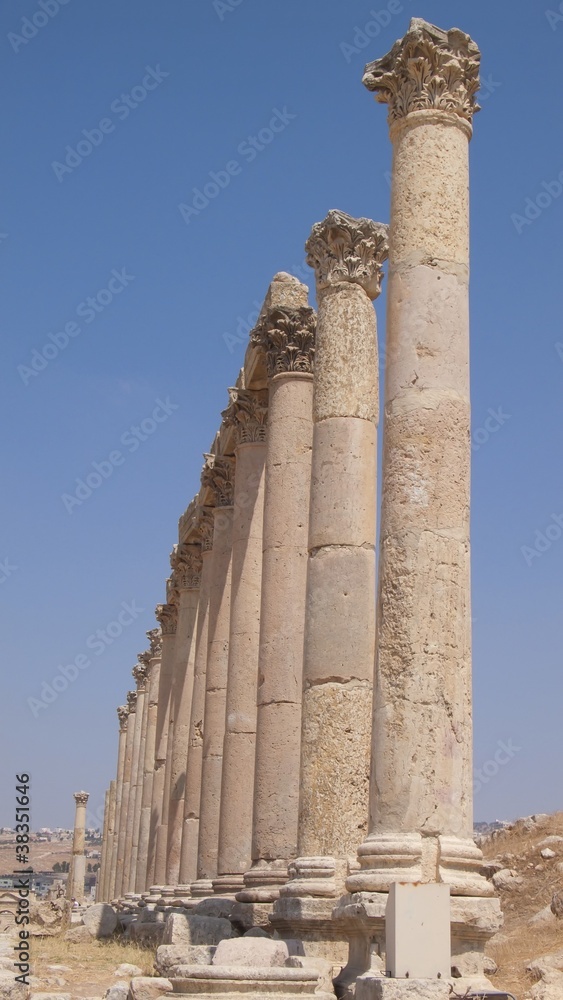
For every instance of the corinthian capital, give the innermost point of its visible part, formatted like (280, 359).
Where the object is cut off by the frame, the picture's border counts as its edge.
(140, 672)
(218, 475)
(167, 615)
(187, 565)
(155, 639)
(131, 701)
(247, 412)
(81, 798)
(204, 527)
(287, 336)
(428, 69)
(123, 715)
(341, 248)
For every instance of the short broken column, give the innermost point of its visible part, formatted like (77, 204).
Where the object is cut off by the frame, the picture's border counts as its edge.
(122, 846)
(347, 255)
(167, 615)
(219, 477)
(190, 831)
(247, 413)
(421, 826)
(286, 334)
(152, 658)
(75, 888)
(122, 714)
(187, 567)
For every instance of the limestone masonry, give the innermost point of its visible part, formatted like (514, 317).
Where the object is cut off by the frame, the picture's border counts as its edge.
(299, 737)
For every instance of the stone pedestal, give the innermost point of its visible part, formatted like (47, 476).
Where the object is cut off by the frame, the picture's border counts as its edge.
(286, 334)
(187, 563)
(190, 832)
(219, 477)
(421, 826)
(75, 887)
(206, 981)
(247, 413)
(122, 714)
(340, 610)
(155, 652)
(167, 615)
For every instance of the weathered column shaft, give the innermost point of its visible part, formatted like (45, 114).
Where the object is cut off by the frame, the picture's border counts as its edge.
(190, 833)
(129, 869)
(75, 889)
(286, 333)
(105, 884)
(122, 846)
(220, 476)
(122, 713)
(188, 570)
(100, 875)
(142, 883)
(248, 414)
(156, 863)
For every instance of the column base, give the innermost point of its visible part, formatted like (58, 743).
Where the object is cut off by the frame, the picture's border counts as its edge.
(228, 885)
(410, 857)
(202, 887)
(247, 915)
(206, 982)
(311, 921)
(263, 882)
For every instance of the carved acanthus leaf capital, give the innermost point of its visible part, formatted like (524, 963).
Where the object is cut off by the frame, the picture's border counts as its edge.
(131, 701)
(145, 658)
(287, 336)
(428, 69)
(123, 715)
(204, 523)
(140, 672)
(155, 639)
(81, 798)
(247, 412)
(341, 248)
(187, 565)
(167, 615)
(218, 475)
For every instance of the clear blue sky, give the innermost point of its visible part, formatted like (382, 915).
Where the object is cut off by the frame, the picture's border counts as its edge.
(158, 333)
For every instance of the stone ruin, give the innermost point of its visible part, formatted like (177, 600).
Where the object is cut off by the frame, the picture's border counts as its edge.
(269, 779)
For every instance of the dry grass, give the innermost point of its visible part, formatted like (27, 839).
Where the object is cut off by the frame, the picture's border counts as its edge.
(93, 963)
(519, 942)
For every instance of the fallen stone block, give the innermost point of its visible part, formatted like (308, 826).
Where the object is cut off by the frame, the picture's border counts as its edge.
(254, 952)
(190, 929)
(168, 956)
(148, 988)
(100, 919)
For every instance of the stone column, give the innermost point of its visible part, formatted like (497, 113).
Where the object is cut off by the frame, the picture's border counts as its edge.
(122, 714)
(421, 791)
(129, 869)
(75, 888)
(100, 874)
(142, 882)
(247, 413)
(218, 475)
(187, 567)
(167, 615)
(286, 334)
(122, 845)
(347, 255)
(144, 662)
(105, 883)
(190, 833)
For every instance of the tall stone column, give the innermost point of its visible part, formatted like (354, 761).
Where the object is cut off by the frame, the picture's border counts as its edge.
(190, 832)
(142, 882)
(219, 476)
(421, 790)
(247, 413)
(144, 664)
(103, 862)
(187, 567)
(129, 871)
(286, 334)
(167, 615)
(122, 714)
(75, 888)
(347, 255)
(105, 882)
(122, 845)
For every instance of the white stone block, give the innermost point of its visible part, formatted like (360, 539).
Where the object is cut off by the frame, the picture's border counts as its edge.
(417, 930)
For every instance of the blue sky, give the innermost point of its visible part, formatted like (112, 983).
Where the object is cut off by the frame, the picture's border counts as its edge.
(169, 93)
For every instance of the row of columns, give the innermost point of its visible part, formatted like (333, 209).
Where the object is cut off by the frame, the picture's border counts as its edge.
(244, 753)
